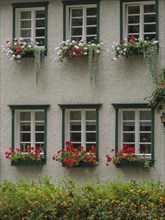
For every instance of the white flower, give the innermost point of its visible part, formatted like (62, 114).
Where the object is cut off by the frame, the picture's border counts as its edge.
(20, 38)
(155, 41)
(85, 53)
(114, 59)
(57, 48)
(18, 56)
(29, 45)
(77, 47)
(15, 43)
(118, 48)
(73, 41)
(97, 51)
(59, 52)
(93, 44)
(125, 49)
(80, 44)
(85, 48)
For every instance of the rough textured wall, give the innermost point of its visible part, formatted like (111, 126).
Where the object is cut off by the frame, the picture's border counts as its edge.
(69, 83)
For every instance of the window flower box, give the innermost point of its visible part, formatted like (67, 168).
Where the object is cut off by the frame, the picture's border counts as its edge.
(76, 156)
(137, 164)
(28, 162)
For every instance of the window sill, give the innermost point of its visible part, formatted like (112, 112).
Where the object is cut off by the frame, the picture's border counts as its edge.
(81, 164)
(136, 164)
(29, 162)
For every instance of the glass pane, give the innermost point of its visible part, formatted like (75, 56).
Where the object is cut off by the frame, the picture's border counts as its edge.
(25, 33)
(25, 126)
(24, 146)
(25, 137)
(145, 126)
(39, 137)
(40, 42)
(25, 14)
(89, 146)
(40, 14)
(41, 146)
(149, 8)
(25, 24)
(75, 137)
(149, 28)
(39, 116)
(25, 116)
(77, 22)
(149, 18)
(76, 38)
(145, 137)
(133, 9)
(90, 115)
(75, 126)
(129, 137)
(145, 148)
(91, 137)
(91, 11)
(76, 31)
(91, 30)
(39, 126)
(145, 115)
(91, 21)
(91, 39)
(40, 32)
(90, 126)
(128, 115)
(40, 23)
(133, 29)
(149, 36)
(75, 115)
(77, 12)
(133, 19)
(128, 126)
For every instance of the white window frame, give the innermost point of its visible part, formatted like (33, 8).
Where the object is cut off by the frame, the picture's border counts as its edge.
(141, 24)
(32, 125)
(83, 126)
(84, 25)
(137, 131)
(33, 28)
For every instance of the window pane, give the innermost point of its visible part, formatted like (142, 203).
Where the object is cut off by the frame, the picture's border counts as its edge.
(91, 30)
(128, 126)
(133, 9)
(128, 115)
(129, 137)
(133, 19)
(149, 28)
(145, 126)
(25, 116)
(145, 137)
(90, 126)
(23, 147)
(25, 24)
(75, 137)
(145, 148)
(90, 115)
(77, 12)
(91, 137)
(133, 29)
(75, 126)
(149, 36)
(91, 21)
(25, 33)
(76, 38)
(145, 115)
(76, 31)
(75, 115)
(91, 11)
(77, 22)
(40, 14)
(39, 116)
(39, 137)
(89, 146)
(149, 18)
(91, 39)
(25, 126)
(40, 32)
(41, 146)
(39, 126)
(40, 42)
(149, 8)
(25, 14)
(40, 23)
(25, 137)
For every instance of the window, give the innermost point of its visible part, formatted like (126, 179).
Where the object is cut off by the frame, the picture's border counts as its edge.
(81, 21)
(31, 22)
(80, 125)
(139, 20)
(134, 127)
(29, 127)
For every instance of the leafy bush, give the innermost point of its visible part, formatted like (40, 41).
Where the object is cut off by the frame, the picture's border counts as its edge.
(27, 200)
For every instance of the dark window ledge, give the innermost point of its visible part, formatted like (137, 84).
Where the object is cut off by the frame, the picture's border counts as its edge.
(32, 163)
(136, 164)
(81, 164)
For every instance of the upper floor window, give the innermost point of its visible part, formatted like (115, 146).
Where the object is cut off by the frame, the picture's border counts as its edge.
(81, 20)
(30, 22)
(139, 20)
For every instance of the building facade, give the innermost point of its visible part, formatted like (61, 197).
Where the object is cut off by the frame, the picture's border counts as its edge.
(65, 105)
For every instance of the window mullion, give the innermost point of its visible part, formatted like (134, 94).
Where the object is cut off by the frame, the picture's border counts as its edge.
(32, 129)
(126, 22)
(33, 17)
(141, 35)
(137, 132)
(84, 23)
(83, 130)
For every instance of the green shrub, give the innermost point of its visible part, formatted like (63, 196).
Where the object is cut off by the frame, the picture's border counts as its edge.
(27, 200)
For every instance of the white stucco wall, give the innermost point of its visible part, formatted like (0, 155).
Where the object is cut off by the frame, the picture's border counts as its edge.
(68, 83)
